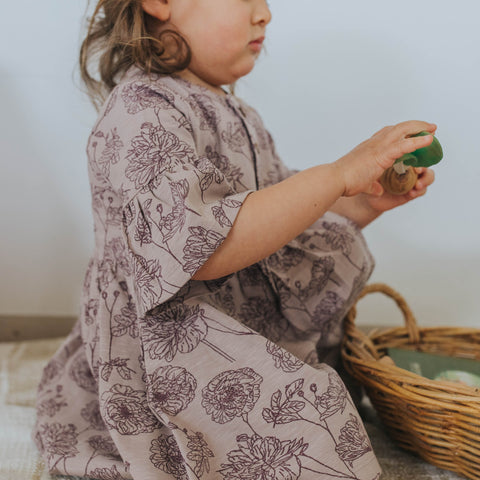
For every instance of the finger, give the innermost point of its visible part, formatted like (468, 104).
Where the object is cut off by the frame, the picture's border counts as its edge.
(410, 144)
(384, 130)
(417, 191)
(425, 179)
(412, 194)
(412, 127)
(375, 189)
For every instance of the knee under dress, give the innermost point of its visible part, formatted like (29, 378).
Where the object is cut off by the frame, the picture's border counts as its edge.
(166, 377)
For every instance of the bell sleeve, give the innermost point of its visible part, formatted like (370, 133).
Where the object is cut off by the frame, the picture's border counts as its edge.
(178, 207)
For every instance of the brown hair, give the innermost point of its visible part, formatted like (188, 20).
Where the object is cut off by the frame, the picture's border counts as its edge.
(117, 38)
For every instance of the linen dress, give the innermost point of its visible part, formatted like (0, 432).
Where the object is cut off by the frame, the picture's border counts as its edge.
(164, 377)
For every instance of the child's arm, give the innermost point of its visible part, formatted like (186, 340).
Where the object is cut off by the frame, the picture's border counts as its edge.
(271, 217)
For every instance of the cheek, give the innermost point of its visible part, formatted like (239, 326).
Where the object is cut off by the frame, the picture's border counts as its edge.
(233, 35)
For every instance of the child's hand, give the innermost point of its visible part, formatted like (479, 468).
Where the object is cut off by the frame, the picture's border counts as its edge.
(383, 201)
(361, 168)
(364, 208)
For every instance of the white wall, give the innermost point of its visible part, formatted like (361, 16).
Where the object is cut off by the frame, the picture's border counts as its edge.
(44, 123)
(333, 74)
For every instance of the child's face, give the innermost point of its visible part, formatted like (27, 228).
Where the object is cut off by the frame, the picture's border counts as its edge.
(225, 36)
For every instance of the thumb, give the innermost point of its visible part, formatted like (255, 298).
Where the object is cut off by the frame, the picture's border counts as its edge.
(375, 189)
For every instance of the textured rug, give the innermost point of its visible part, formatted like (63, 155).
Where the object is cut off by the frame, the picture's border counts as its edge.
(21, 365)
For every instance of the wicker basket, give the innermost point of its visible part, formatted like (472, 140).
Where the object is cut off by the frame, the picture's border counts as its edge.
(438, 420)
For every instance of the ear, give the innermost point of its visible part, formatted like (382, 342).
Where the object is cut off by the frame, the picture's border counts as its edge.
(159, 9)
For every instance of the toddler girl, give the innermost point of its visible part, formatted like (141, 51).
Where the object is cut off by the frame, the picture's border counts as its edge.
(213, 302)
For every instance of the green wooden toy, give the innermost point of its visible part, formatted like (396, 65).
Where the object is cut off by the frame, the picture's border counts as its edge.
(423, 157)
(401, 178)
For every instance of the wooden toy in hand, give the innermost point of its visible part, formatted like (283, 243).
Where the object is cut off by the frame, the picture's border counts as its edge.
(401, 178)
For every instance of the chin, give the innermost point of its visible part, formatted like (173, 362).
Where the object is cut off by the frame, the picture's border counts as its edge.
(231, 76)
(241, 72)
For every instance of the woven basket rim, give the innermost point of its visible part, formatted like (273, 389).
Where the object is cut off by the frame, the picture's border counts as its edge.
(355, 340)
(436, 419)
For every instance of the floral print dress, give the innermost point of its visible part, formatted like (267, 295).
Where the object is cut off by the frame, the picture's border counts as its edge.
(164, 377)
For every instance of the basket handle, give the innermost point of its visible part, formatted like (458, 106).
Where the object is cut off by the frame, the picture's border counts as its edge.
(410, 322)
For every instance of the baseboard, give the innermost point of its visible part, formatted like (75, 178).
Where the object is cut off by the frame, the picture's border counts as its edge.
(21, 327)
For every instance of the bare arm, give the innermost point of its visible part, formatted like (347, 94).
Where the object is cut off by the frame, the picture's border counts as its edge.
(272, 217)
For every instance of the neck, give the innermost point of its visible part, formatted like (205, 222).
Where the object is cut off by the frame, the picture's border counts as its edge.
(191, 77)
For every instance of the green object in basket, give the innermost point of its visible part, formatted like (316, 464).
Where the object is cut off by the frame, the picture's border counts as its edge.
(438, 367)
(423, 157)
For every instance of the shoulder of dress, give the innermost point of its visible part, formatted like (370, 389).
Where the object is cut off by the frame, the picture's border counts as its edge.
(137, 95)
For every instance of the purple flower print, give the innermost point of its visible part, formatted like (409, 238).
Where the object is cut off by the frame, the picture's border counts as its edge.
(166, 456)
(52, 405)
(154, 152)
(328, 311)
(143, 232)
(103, 200)
(91, 414)
(337, 236)
(52, 370)
(115, 260)
(205, 110)
(106, 274)
(171, 389)
(231, 394)
(209, 173)
(200, 245)
(59, 440)
(219, 211)
(106, 474)
(286, 258)
(354, 442)
(266, 458)
(126, 411)
(235, 137)
(223, 296)
(283, 360)
(141, 362)
(233, 174)
(138, 96)
(111, 152)
(118, 364)
(177, 329)
(199, 453)
(116, 255)
(321, 271)
(91, 310)
(126, 322)
(114, 215)
(288, 410)
(173, 222)
(221, 217)
(334, 399)
(327, 317)
(147, 278)
(260, 314)
(129, 213)
(103, 445)
(81, 374)
(251, 276)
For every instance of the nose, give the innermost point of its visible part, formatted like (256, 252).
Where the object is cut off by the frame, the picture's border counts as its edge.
(262, 14)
